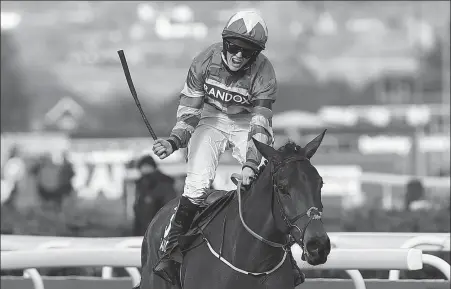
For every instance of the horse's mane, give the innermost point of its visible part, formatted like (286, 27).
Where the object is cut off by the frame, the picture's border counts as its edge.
(290, 148)
(287, 149)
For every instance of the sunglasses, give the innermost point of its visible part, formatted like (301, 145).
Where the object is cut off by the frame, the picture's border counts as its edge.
(234, 49)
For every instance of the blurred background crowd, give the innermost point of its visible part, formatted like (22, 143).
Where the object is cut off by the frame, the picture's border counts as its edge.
(75, 153)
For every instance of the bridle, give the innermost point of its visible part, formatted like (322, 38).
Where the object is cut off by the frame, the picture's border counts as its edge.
(313, 213)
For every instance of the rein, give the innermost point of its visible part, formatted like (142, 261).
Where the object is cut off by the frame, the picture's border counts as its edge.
(312, 213)
(260, 238)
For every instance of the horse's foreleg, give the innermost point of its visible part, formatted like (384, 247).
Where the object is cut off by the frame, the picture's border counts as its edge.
(149, 249)
(151, 281)
(149, 257)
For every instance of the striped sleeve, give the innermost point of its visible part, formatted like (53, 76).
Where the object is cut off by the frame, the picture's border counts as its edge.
(264, 86)
(261, 130)
(264, 93)
(188, 116)
(191, 102)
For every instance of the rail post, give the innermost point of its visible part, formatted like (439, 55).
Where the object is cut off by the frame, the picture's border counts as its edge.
(434, 261)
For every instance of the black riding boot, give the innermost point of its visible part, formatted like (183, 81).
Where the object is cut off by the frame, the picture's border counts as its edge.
(166, 268)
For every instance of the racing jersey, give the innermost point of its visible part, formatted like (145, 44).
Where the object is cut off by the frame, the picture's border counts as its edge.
(210, 83)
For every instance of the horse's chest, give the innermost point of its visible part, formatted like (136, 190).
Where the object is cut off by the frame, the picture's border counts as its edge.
(215, 274)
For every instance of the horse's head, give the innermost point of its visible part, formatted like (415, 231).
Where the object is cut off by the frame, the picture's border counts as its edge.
(297, 201)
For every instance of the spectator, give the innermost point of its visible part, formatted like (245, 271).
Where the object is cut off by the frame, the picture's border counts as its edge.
(53, 180)
(153, 190)
(415, 196)
(66, 173)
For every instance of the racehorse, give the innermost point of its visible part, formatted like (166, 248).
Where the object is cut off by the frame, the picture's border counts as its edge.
(246, 244)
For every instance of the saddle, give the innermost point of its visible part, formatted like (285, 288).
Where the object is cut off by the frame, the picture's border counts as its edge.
(216, 201)
(215, 195)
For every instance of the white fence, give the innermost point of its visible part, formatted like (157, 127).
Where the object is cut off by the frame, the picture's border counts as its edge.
(352, 252)
(342, 259)
(342, 240)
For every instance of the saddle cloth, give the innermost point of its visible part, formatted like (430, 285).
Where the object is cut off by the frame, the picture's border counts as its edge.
(215, 203)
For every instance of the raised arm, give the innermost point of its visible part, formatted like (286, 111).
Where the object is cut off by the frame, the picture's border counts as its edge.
(191, 102)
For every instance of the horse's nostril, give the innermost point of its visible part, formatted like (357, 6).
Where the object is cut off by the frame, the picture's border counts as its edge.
(313, 246)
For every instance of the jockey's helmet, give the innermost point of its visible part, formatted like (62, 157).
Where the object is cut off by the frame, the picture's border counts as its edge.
(246, 29)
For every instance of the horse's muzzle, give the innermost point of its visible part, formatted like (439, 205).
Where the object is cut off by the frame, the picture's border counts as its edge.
(317, 250)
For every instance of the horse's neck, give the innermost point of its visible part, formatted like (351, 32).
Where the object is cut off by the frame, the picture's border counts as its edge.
(257, 207)
(257, 214)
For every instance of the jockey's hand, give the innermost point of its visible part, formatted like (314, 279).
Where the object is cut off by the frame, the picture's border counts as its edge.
(247, 175)
(162, 148)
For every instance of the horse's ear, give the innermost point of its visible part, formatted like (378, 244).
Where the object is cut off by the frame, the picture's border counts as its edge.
(266, 150)
(312, 147)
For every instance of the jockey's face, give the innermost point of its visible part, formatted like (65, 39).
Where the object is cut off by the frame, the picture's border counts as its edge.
(236, 61)
(237, 56)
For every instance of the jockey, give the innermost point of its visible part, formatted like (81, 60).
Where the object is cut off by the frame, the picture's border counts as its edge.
(226, 101)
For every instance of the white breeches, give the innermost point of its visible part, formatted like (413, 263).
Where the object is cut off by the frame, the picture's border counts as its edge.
(213, 135)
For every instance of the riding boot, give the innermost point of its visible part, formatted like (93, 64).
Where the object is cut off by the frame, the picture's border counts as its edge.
(166, 268)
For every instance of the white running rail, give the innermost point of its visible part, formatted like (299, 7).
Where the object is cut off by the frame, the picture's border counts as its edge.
(343, 240)
(342, 259)
(349, 249)
(434, 261)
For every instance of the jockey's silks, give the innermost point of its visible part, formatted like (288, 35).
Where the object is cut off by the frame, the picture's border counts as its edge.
(223, 106)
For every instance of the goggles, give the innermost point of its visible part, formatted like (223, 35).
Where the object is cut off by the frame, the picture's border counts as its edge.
(234, 49)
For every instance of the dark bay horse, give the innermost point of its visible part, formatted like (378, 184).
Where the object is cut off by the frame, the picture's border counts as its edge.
(246, 244)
